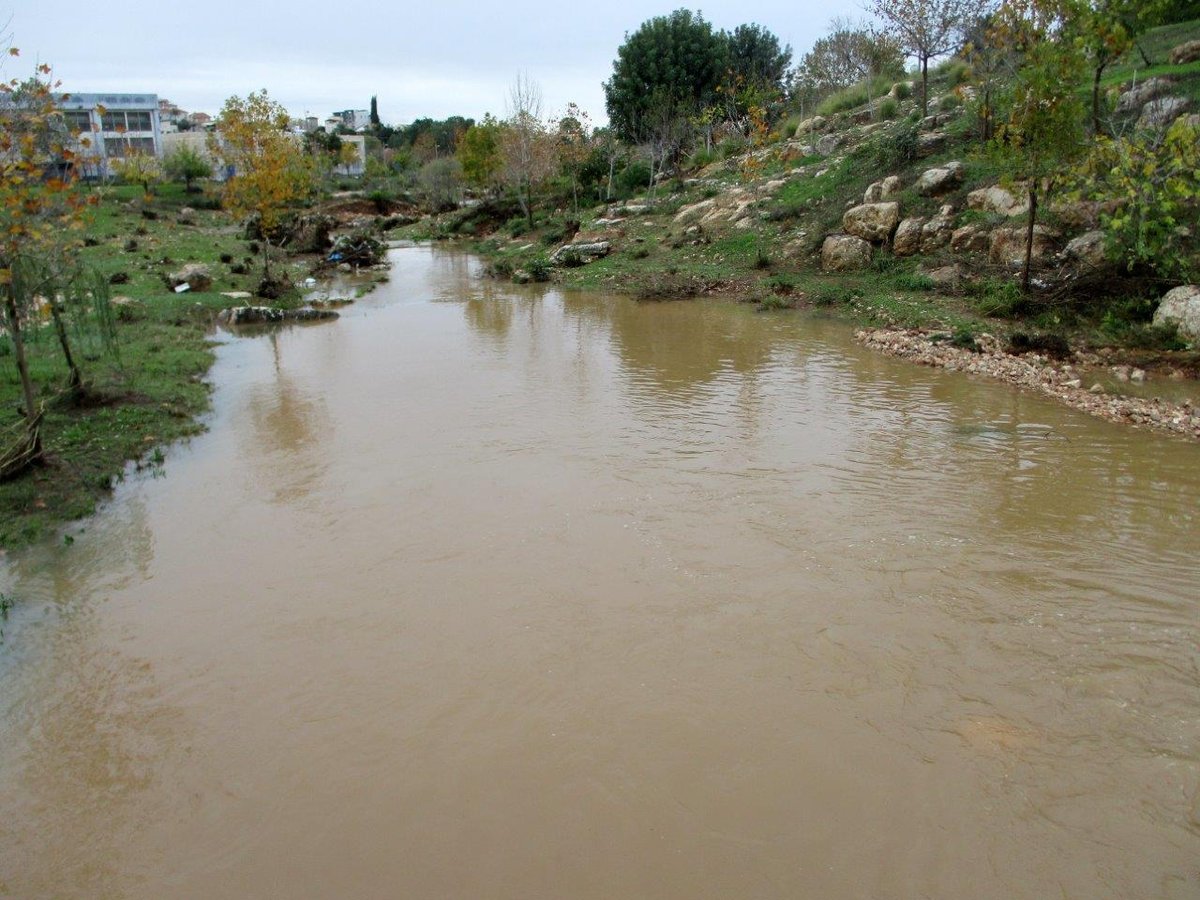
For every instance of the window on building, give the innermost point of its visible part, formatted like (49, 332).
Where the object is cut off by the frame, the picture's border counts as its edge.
(137, 120)
(78, 119)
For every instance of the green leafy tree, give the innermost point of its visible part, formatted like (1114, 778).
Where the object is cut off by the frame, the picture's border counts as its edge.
(478, 153)
(1109, 29)
(375, 122)
(1043, 134)
(271, 171)
(755, 55)
(573, 143)
(673, 63)
(1154, 179)
(185, 163)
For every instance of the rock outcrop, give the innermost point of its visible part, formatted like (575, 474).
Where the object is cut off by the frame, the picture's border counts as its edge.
(1008, 246)
(872, 221)
(997, 200)
(1185, 53)
(844, 253)
(1181, 308)
(941, 179)
(879, 191)
(1163, 111)
(583, 253)
(1087, 250)
(971, 239)
(936, 233)
(907, 240)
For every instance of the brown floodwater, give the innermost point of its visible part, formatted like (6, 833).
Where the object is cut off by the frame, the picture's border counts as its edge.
(486, 591)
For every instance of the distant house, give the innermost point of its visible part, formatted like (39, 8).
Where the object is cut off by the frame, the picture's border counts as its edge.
(200, 119)
(354, 119)
(359, 143)
(115, 125)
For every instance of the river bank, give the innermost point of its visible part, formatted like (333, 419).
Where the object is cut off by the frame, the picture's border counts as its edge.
(1077, 383)
(151, 390)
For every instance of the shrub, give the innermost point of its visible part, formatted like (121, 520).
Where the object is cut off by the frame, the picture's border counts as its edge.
(633, 178)
(539, 269)
(640, 252)
(517, 226)
(1050, 344)
(734, 145)
(889, 152)
(888, 109)
(914, 282)
(902, 90)
(948, 102)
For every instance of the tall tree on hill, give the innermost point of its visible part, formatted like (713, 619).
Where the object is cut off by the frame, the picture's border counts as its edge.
(674, 63)
(756, 56)
(926, 29)
(375, 123)
(1043, 135)
(1109, 29)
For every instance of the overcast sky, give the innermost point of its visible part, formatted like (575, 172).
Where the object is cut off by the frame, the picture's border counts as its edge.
(434, 58)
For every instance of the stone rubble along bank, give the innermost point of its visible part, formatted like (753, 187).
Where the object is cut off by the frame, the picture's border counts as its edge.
(1058, 380)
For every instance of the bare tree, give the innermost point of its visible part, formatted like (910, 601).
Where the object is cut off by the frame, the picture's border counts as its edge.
(926, 29)
(526, 149)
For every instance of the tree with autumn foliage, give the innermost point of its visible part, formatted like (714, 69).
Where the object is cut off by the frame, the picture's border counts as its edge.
(271, 171)
(40, 218)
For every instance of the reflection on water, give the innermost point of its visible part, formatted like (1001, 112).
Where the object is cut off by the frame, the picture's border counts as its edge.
(506, 592)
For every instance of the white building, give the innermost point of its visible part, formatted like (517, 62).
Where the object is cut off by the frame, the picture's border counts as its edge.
(115, 125)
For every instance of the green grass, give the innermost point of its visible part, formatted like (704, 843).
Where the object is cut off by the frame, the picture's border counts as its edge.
(153, 393)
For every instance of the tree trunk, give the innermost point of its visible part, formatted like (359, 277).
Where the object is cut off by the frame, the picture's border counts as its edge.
(74, 379)
(1097, 128)
(14, 329)
(924, 86)
(266, 245)
(1028, 268)
(612, 171)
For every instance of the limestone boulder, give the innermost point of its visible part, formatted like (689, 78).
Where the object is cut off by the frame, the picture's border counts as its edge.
(187, 216)
(1181, 308)
(1137, 97)
(1162, 112)
(828, 144)
(808, 126)
(1087, 250)
(845, 253)
(1008, 246)
(947, 278)
(872, 221)
(907, 240)
(971, 239)
(941, 179)
(879, 191)
(997, 200)
(931, 143)
(583, 253)
(195, 275)
(1185, 53)
(937, 231)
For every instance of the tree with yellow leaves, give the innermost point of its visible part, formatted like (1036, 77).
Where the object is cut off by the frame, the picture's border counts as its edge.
(40, 214)
(271, 171)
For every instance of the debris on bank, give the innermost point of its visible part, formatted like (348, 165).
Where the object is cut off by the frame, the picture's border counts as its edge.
(266, 315)
(1061, 380)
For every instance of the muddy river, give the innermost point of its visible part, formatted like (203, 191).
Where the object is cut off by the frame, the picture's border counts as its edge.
(485, 591)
